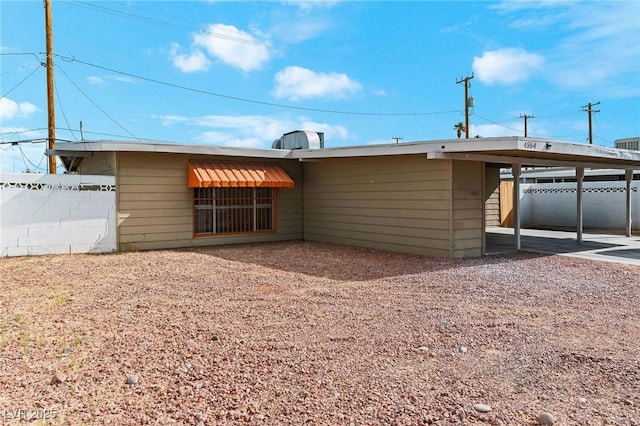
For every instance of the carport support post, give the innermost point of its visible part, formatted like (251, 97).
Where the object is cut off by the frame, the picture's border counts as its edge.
(579, 179)
(515, 171)
(628, 175)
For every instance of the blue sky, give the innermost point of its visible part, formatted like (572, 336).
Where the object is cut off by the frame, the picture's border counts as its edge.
(243, 73)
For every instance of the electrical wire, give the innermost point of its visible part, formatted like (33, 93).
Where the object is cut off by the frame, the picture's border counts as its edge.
(236, 98)
(24, 157)
(22, 81)
(95, 104)
(62, 109)
(495, 122)
(17, 132)
(18, 68)
(600, 132)
(235, 36)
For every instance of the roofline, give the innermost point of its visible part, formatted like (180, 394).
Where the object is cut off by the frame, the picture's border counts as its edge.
(525, 147)
(79, 148)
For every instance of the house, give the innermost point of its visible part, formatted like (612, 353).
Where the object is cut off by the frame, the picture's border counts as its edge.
(427, 198)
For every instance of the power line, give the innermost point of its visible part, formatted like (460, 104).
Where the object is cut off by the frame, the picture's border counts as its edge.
(62, 109)
(235, 36)
(236, 98)
(95, 104)
(24, 157)
(468, 102)
(21, 81)
(526, 118)
(19, 67)
(495, 122)
(590, 112)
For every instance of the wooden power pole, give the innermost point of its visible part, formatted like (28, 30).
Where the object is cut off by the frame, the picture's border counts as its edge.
(526, 117)
(467, 102)
(51, 116)
(591, 112)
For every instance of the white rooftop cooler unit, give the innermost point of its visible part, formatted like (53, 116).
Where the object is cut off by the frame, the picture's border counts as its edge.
(300, 139)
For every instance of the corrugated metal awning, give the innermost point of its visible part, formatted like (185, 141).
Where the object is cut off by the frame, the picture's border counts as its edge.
(207, 174)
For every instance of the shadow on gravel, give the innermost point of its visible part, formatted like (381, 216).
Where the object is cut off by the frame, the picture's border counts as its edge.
(501, 243)
(342, 262)
(626, 253)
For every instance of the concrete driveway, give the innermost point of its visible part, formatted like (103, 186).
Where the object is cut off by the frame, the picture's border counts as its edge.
(595, 246)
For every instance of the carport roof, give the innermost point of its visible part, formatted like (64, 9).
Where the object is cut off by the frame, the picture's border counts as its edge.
(502, 150)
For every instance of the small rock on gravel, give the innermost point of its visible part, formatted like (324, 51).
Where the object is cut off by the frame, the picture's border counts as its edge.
(422, 349)
(132, 379)
(581, 400)
(462, 349)
(58, 377)
(546, 418)
(482, 408)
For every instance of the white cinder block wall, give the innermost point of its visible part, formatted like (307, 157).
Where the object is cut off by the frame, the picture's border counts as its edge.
(55, 214)
(603, 205)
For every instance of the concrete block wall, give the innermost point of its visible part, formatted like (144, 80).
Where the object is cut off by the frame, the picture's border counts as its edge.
(55, 214)
(603, 204)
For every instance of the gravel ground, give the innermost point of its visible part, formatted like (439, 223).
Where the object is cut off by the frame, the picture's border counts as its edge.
(321, 334)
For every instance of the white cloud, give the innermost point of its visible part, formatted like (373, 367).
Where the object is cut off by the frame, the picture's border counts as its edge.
(299, 30)
(296, 83)
(10, 109)
(193, 62)
(308, 5)
(255, 131)
(234, 47)
(595, 46)
(92, 79)
(506, 66)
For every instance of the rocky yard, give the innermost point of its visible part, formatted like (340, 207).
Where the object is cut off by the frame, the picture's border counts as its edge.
(318, 334)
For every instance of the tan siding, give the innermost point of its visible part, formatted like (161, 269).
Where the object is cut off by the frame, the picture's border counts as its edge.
(467, 206)
(98, 163)
(155, 205)
(492, 196)
(398, 203)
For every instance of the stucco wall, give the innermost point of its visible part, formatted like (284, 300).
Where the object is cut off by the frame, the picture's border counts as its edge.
(155, 206)
(54, 214)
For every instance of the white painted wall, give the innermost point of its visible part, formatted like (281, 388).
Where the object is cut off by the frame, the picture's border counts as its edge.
(603, 203)
(55, 214)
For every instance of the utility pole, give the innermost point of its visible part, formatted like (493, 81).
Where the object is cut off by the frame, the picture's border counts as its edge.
(467, 102)
(397, 138)
(525, 116)
(591, 112)
(51, 116)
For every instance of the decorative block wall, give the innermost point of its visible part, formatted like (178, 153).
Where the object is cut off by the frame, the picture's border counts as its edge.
(603, 204)
(56, 214)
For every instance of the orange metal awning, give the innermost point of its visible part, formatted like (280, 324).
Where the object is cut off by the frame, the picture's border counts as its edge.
(206, 174)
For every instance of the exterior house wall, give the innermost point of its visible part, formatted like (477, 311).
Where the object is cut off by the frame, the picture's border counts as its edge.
(155, 206)
(57, 214)
(492, 196)
(399, 203)
(99, 163)
(467, 208)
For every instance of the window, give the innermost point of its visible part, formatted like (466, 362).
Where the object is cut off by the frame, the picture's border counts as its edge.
(228, 210)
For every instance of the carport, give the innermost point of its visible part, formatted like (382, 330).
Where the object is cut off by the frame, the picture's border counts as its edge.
(517, 153)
